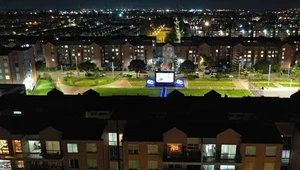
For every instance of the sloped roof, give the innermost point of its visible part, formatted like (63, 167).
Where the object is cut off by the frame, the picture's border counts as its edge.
(72, 129)
(251, 132)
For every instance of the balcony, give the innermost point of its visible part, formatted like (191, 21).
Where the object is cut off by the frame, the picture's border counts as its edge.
(191, 156)
(229, 158)
(52, 154)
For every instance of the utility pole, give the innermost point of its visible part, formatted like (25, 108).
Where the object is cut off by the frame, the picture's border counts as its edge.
(269, 76)
(113, 69)
(118, 144)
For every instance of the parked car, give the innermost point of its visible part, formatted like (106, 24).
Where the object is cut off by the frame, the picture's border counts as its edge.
(127, 75)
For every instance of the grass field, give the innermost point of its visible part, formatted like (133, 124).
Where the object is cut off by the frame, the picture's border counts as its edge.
(210, 82)
(156, 92)
(137, 81)
(43, 87)
(87, 81)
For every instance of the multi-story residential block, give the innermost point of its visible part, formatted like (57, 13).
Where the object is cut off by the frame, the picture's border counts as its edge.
(192, 145)
(17, 66)
(52, 147)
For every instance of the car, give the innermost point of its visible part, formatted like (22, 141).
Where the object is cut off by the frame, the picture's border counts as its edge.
(127, 75)
(102, 75)
(89, 74)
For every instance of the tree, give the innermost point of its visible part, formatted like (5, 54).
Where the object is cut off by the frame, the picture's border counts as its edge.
(236, 62)
(297, 76)
(40, 66)
(206, 60)
(187, 67)
(137, 66)
(262, 65)
(171, 36)
(87, 67)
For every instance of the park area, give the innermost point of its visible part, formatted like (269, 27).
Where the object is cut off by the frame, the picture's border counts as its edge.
(155, 92)
(211, 82)
(88, 81)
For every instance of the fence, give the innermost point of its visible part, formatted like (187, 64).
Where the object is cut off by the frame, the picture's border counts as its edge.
(254, 88)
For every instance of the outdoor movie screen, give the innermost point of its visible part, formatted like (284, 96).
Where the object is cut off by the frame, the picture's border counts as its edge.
(164, 77)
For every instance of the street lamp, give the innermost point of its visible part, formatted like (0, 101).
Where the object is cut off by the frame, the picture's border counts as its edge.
(269, 75)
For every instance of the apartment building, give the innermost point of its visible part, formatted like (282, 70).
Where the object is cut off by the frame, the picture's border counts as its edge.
(17, 66)
(201, 145)
(52, 146)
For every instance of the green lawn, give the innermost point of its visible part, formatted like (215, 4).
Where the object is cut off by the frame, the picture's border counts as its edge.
(88, 81)
(43, 87)
(211, 82)
(288, 84)
(265, 84)
(156, 92)
(137, 81)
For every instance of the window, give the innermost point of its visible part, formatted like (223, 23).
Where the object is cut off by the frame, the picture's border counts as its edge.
(73, 163)
(4, 147)
(52, 147)
(269, 166)
(92, 164)
(249, 166)
(20, 164)
(133, 164)
(271, 151)
(287, 142)
(152, 165)
(250, 150)
(227, 167)
(209, 167)
(174, 148)
(52, 59)
(228, 151)
(91, 147)
(112, 139)
(5, 164)
(113, 165)
(6, 70)
(285, 156)
(72, 148)
(34, 146)
(152, 149)
(17, 146)
(133, 149)
(113, 152)
(7, 77)
(5, 65)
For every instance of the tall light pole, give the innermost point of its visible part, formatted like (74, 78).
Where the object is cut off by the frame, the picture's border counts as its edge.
(239, 70)
(113, 69)
(291, 82)
(269, 76)
(289, 70)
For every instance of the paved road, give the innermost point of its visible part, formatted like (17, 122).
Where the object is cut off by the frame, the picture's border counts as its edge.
(279, 92)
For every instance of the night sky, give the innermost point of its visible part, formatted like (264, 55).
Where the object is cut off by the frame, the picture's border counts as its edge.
(76, 4)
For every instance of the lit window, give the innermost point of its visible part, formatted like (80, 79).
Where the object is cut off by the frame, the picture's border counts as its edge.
(91, 147)
(92, 164)
(250, 150)
(228, 151)
(249, 166)
(133, 164)
(133, 149)
(209, 167)
(52, 147)
(283, 49)
(4, 147)
(152, 149)
(190, 51)
(285, 156)
(174, 148)
(7, 77)
(269, 166)
(34, 146)
(271, 151)
(249, 52)
(72, 148)
(17, 112)
(227, 167)
(152, 165)
(53, 59)
(17, 146)
(20, 164)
